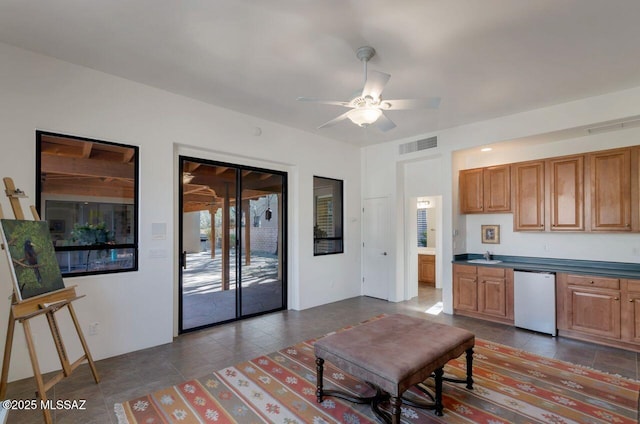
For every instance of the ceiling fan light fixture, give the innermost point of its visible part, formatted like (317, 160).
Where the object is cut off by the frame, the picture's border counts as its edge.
(364, 116)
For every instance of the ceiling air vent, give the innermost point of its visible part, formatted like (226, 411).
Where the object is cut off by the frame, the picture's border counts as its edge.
(416, 146)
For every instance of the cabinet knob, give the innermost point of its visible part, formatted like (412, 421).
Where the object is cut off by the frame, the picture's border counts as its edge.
(592, 282)
(616, 298)
(631, 300)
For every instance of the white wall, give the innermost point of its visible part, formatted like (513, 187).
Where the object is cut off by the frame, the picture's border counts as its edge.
(138, 309)
(461, 233)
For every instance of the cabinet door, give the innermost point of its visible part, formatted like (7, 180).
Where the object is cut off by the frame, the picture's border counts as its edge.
(633, 317)
(497, 188)
(492, 296)
(566, 180)
(427, 269)
(631, 311)
(465, 292)
(594, 312)
(529, 196)
(610, 180)
(471, 191)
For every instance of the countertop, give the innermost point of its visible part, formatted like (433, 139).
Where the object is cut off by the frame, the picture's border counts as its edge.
(573, 266)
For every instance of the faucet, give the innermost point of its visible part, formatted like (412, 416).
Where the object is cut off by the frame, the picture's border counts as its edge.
(487, 255)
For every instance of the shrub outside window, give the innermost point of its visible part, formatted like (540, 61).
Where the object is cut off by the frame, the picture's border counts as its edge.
(88, 193)
(328, 216)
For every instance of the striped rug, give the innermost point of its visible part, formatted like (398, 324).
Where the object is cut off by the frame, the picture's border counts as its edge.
(511, 386)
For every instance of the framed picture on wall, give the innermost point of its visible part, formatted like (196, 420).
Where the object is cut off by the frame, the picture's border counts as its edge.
(491, 234)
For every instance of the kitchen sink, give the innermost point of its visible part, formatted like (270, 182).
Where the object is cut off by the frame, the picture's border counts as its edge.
(484, 261)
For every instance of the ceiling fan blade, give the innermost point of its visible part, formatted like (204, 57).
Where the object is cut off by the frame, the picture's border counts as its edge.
(384, 123)
(335, 120)
(401, 104)
(324, 102)
(375, 84)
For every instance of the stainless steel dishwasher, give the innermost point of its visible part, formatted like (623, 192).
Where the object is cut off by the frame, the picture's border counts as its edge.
(534, 301)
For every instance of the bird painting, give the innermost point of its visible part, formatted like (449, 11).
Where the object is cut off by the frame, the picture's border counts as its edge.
(34, 265)
(31, 258)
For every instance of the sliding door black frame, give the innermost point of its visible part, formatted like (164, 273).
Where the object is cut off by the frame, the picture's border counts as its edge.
(238, 239)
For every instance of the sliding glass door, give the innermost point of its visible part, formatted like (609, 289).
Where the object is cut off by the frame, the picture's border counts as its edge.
(232, 242)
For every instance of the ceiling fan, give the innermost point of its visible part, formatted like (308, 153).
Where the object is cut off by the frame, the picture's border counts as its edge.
(368, 107)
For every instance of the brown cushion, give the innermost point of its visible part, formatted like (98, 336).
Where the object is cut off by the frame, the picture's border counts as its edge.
(394, 352)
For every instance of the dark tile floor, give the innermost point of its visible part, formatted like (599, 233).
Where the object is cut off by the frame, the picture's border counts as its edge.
(196, 354)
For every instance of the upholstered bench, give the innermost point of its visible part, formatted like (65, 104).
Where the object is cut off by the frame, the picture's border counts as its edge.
(392, 354)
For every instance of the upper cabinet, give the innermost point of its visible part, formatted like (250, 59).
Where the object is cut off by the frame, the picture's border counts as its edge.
(485, 190)
(528, 182)
(610, 180)
(497, 188)
(566, 193)
(471, 191)
(592, 192)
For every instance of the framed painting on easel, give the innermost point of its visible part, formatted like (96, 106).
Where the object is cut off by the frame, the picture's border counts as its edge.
(32, 260)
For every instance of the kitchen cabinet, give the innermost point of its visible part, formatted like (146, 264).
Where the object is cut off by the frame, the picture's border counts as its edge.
(631, 311)
(591, 192)
(471, 187)
(599, 309)
(610, 189)
(483, 292)
(528, 183)
(497, 188)
(465, 288)
(593, 305)
(566, 193)
(427, 269)
(485, 190)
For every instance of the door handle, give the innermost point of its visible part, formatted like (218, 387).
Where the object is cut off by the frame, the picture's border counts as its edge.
(184, 260)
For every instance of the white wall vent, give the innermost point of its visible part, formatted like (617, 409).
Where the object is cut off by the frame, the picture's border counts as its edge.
(416, 146)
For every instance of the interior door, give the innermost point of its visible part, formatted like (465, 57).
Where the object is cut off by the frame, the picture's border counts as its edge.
(376, 258)
(232, 244)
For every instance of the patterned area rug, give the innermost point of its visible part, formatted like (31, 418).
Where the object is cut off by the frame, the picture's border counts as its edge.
(511, 386)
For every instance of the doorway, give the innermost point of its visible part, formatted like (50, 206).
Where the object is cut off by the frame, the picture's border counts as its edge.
(232, 242)
(423, 243)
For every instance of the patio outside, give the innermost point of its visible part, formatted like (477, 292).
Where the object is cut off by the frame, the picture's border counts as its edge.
(203, 300)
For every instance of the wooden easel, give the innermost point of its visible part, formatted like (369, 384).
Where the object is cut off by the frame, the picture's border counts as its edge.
(47, 304)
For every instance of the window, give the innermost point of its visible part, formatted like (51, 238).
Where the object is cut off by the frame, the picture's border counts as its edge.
(422, 228)
(426, 221)
(327, 213)
(88, 192)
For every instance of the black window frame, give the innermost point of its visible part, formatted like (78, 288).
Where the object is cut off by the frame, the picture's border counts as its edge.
(136, 200)
(336, 240)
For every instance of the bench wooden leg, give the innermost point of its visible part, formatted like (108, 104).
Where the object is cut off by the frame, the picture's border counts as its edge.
(319, 370)
(438, 401)
(470, 368)
(396, 409)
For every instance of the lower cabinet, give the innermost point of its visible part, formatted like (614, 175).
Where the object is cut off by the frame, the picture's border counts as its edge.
(427, 269)
(599, 309)
(592, 305)
(631, 311)
(483, 292)
(465, 288)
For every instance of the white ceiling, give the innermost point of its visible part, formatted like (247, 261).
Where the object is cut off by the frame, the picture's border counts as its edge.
(484, 58)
